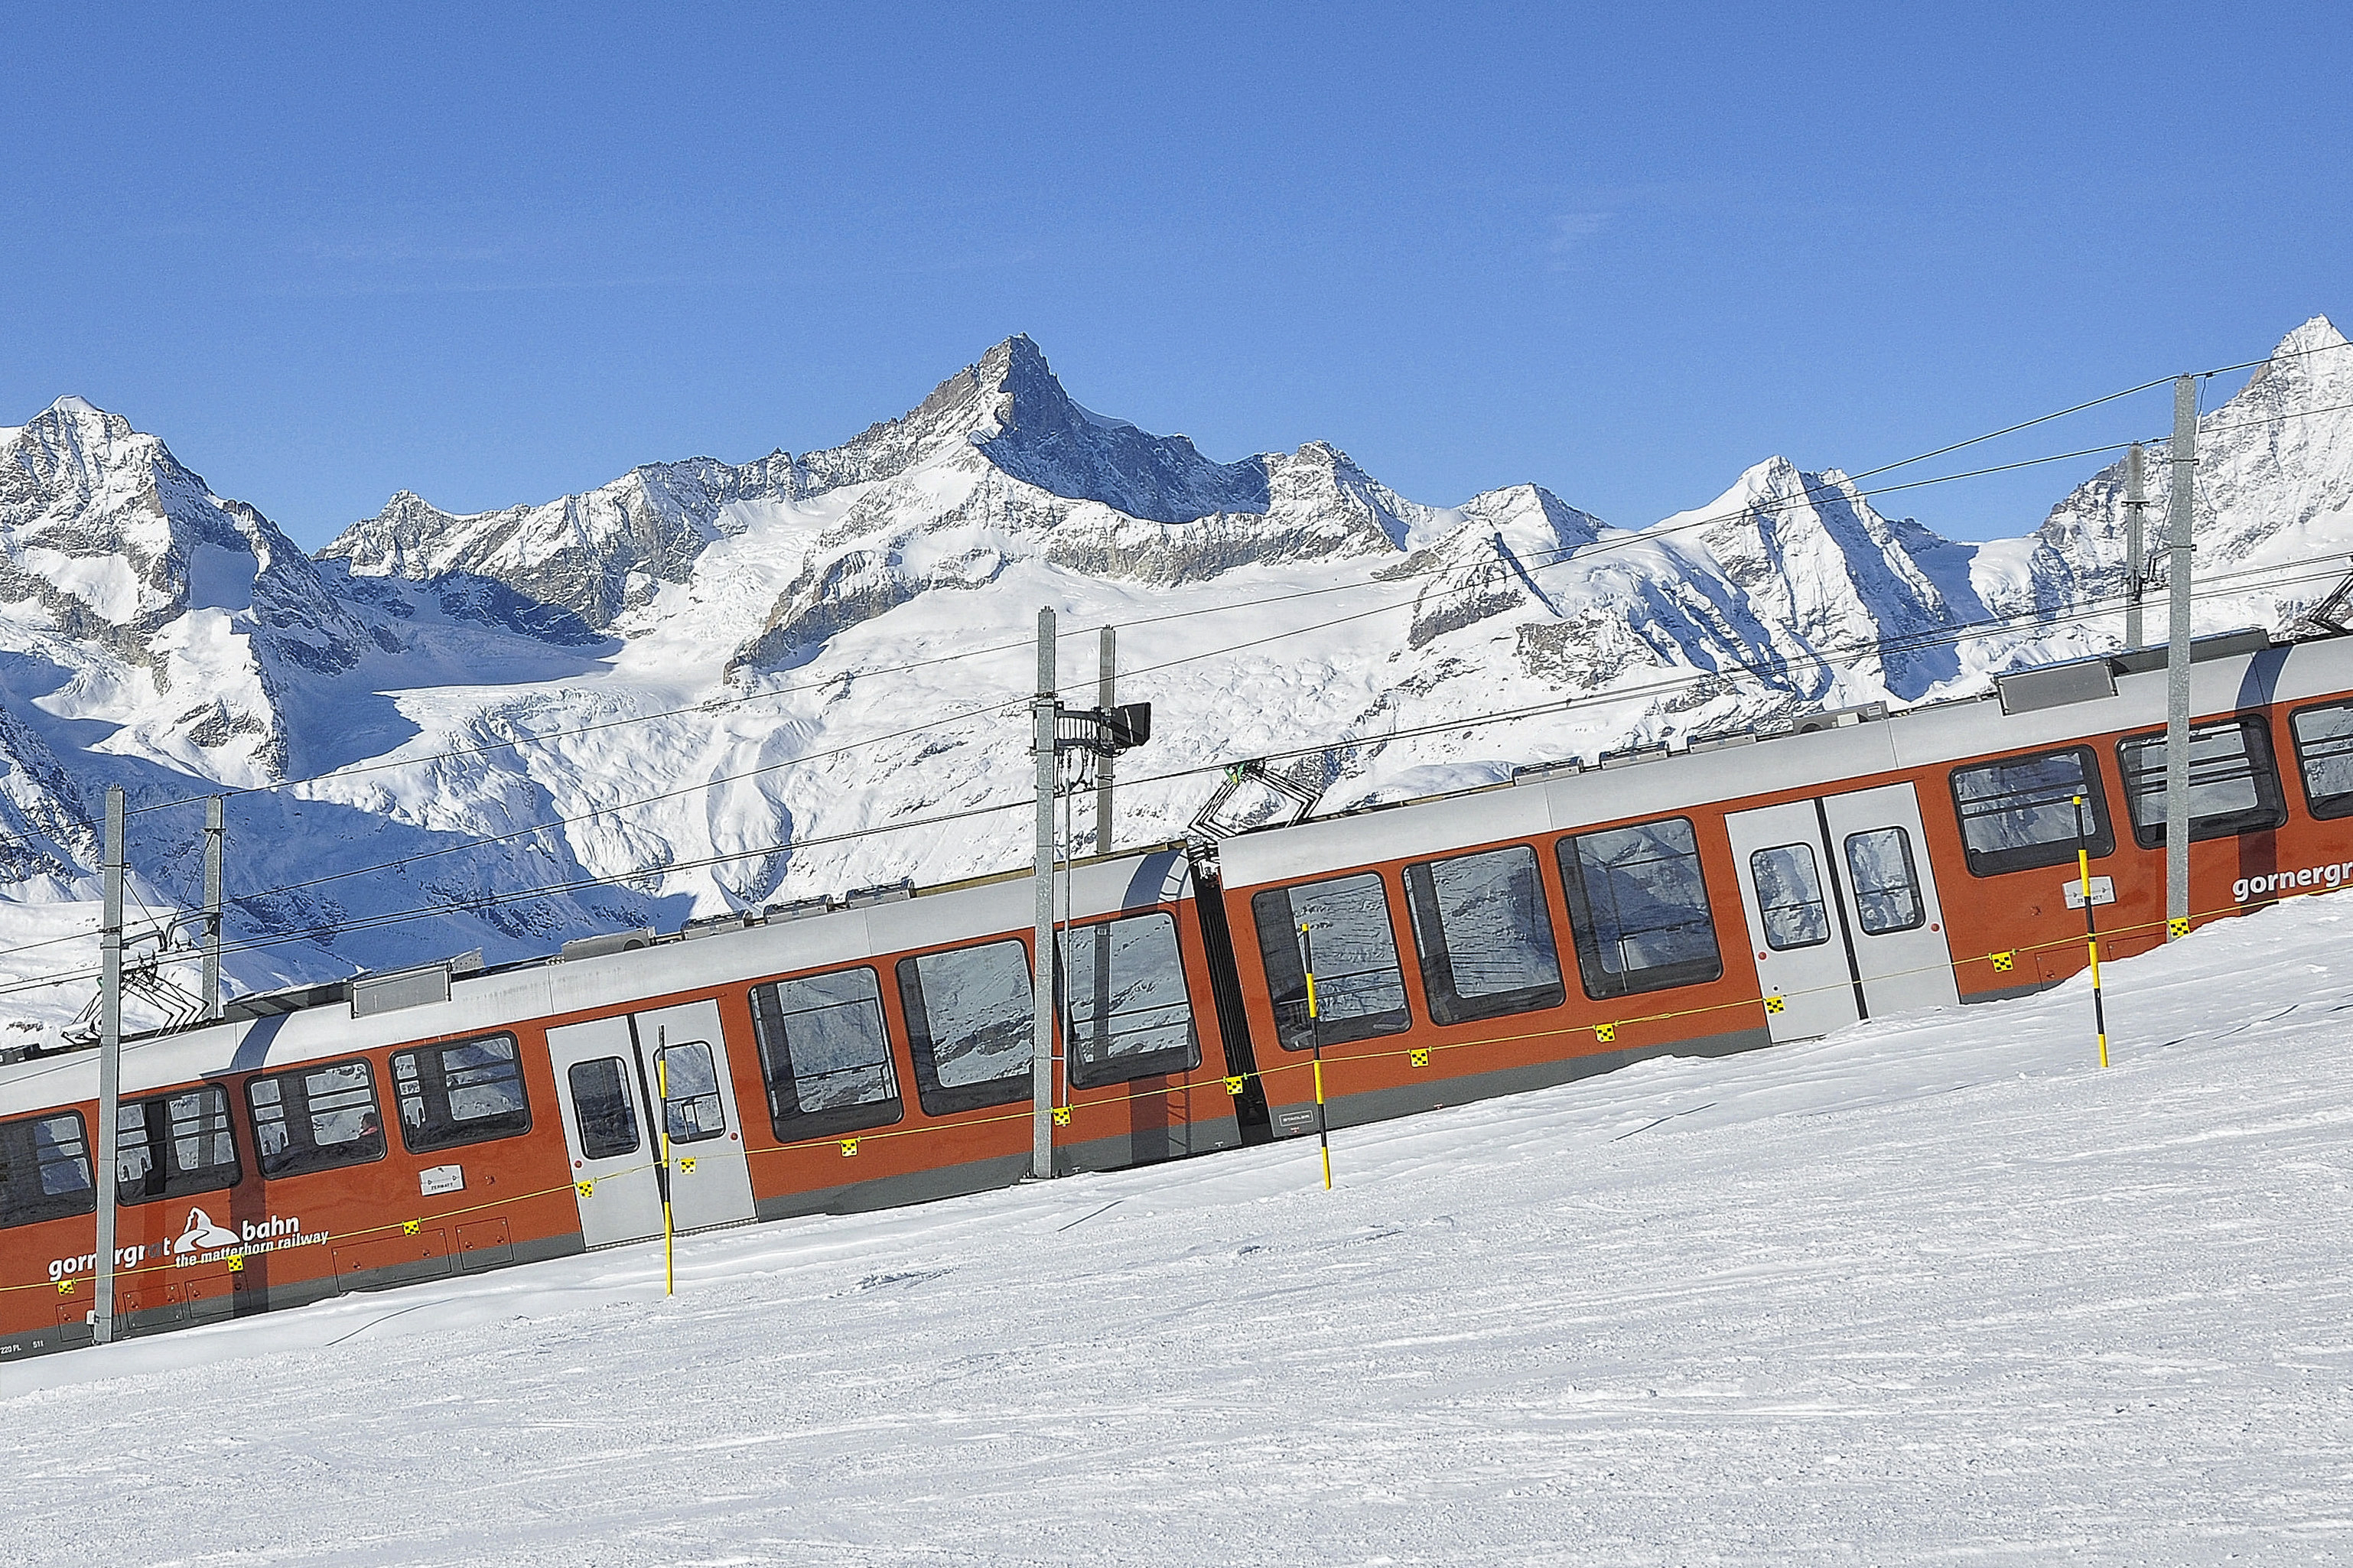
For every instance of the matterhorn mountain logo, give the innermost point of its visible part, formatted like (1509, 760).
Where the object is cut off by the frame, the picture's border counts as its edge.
(202, 1234)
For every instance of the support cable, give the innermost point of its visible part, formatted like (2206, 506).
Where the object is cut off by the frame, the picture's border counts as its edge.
(1626, 538)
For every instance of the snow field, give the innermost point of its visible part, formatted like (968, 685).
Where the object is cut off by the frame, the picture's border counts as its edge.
(1934, 1288)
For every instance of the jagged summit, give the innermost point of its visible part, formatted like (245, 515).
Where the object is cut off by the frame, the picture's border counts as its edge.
(607, 551)
(1009, 406)
(2317, 333)
(142, 578)
(594, 555)
(2274, 480)
(1047, 439)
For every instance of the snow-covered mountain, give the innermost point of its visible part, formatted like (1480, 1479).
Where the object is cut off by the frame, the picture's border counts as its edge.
(705, 687)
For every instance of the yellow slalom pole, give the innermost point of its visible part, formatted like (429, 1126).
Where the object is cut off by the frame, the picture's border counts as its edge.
(661, 1092)
(2091, 931)
(1321, 1132)
(1323, 1125)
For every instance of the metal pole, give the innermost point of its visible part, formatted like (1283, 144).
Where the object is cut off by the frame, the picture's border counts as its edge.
(1314, 1022)
(1105, 695)
(110, 1066)
(2091, 931)
(214, 833)
(2135, 556)
(1041, 959)
(2176, 663)
(661, 1109)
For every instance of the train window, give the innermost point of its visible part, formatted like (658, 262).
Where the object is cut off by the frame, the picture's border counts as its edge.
(1886, 883)
(469, 1093)
(969, 1019)
(1485, 935)
(2323, 755)
(688, 1081)
(1127, 1016)
(825, 1055)
(175, 1144)
(1359, 989)
(607, 1110)
(44, 1169)
(1789, 897)
(2233, 785)
(1638, 909)
(315, 1119)
(2020, 813)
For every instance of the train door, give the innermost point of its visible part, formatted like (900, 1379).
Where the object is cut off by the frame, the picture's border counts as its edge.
(1842, 909)
(608, 1071)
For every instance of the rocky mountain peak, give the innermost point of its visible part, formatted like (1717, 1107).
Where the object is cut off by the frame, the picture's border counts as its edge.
(2274, 462)
(73, 447)
(77, 414)
(595, 555)
(186, 609)
(1009, 406)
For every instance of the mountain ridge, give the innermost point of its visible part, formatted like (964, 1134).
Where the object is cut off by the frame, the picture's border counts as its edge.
(699, 677)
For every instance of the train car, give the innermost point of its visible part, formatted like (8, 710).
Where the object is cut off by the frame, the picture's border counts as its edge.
(820, 1059)
(1759, 887)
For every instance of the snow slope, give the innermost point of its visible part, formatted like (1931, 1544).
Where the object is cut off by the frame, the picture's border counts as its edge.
(708, 687)
(1933, 1289)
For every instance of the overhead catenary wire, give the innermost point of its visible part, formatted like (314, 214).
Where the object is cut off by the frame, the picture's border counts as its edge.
(1842, 487)
(445, 908)
(968, 715)
(950, 721)
(1822, 656)
(1678, 683)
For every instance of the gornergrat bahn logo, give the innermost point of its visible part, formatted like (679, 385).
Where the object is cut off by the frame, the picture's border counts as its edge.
(201, 1240)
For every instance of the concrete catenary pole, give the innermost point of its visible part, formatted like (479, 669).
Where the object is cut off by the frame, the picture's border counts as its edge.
(2177, 663)
(1042, 728)
(1106, 693)
(110, 1065)
(2135, 554)
(214, 833)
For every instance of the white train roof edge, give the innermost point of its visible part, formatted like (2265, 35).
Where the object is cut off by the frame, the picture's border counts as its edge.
(1908, 738)
(513, 994)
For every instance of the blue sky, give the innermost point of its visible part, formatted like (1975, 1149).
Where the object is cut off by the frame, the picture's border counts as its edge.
(496, 255)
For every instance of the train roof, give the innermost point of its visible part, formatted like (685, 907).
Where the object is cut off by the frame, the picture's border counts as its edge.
(2044, 706)
(717, 954)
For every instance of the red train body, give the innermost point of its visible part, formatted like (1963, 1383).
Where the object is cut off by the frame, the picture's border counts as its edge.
(1869, 866)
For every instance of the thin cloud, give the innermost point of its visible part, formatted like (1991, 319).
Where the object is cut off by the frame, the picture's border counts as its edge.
(1570, 234)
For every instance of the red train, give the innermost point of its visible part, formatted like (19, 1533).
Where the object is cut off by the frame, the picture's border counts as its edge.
(833, 1058)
